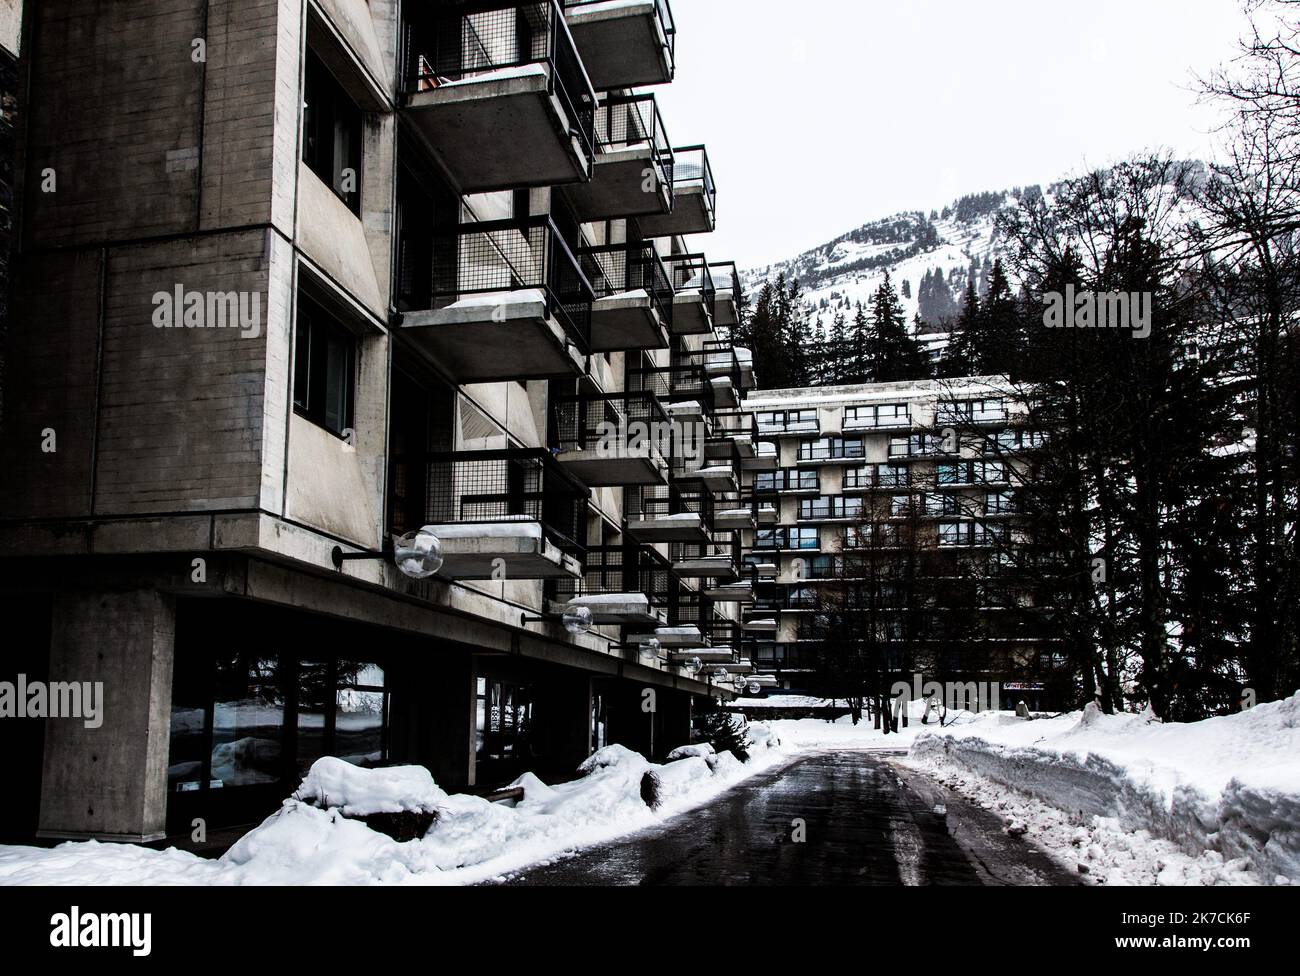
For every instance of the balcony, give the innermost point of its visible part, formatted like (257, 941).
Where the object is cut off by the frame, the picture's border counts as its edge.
(781, 422)
(685, 389)
(676, 512)
(633, 306)
(618, 588)
(624, 42)
(611, 440)
(695, 197)
(507, 301)
(722, 592)
(715, 560)
(766, 458)
(500, 94)
(632, 173)
(694, 294)
(512, 511)
(726, 278)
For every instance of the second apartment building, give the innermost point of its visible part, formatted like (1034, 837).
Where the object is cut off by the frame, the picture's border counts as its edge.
(307, 288)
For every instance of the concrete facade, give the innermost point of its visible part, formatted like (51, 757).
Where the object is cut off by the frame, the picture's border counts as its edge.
(168, 508)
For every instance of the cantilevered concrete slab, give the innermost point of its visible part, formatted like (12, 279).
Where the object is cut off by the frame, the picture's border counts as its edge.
(700, 567)
(724, 308)
(622, 43)
(707, 655)
(724, 392)
(734, 518)
(741, 592)
(691, 214)
(620, 608)
(626, 321)
(503, 336)
(768, 515)
(624, 183)
(684, 635)
(685, 527)
(759, 625)
(500, 130)
(470, 552)
(691, 315)
(628, 465)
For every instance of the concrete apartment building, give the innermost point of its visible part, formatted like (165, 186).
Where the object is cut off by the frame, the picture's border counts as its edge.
(859, 472)
(295, 280)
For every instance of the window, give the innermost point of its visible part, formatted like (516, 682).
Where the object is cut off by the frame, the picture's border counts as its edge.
(787, 479)
(830, 448)
(780, 421)
(786, 537)
(880, 415)
(998, 502)
(972, 411)
(324, 368)
(332, 133)
(830, 507)
(892, 475)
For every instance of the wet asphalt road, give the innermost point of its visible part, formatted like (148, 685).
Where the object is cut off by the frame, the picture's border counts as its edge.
(868, 822)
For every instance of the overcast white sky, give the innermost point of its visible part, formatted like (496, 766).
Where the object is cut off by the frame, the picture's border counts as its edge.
(822, 114)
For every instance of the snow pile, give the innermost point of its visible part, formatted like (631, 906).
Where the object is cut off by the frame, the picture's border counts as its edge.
(314, 839)
(1228, 785)
(357, 792)
(817, 733)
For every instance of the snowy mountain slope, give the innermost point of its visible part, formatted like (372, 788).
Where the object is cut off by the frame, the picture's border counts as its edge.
(930, 258)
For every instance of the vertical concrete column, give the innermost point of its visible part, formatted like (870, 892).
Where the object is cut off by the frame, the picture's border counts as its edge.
(433, 716)
(110, 781)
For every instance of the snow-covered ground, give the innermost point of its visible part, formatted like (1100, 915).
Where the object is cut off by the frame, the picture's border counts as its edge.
(1135, 800)
(309, 840)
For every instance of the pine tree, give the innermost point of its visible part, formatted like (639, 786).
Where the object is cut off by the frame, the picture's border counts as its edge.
(893, 354)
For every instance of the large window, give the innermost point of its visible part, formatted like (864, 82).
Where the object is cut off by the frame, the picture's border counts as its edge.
(832, 448)
(324, 368)
(786, 537)
(248, 718)
(787, 421)
(830, 507)
(332, 133)
(786, 479)
(879, 415)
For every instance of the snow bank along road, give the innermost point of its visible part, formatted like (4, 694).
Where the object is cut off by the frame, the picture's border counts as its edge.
(840, 817)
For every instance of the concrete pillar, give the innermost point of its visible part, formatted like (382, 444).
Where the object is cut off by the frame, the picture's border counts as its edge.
(110, 782)
(434, 716)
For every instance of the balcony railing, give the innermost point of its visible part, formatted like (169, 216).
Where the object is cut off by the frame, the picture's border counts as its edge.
(692, 167)
(625, 121)
(485, 41)
(503, 486)
(675, 384)
(831, 507)
(495, 263)
(694, 197)
(622, 569)
(615, 269)
(876, 476)
(788, 421)
(585, 422)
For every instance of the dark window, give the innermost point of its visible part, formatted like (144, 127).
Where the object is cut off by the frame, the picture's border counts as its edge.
(324, 368)
(332, 133)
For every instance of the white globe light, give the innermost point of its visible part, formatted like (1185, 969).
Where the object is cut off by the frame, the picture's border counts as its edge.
(577, 620)
(720, 672)
(753, 688)
(650, 649)
(418, 554)
(695, 665)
